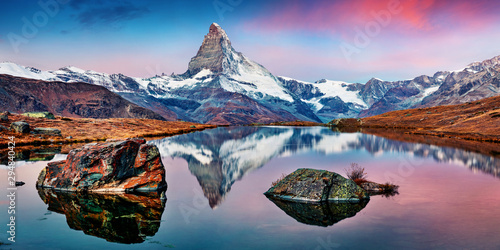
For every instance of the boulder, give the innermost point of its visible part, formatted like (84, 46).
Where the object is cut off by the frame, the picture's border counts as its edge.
(20, 127)
(4, 117)
(2, 128)
(47, 131)
(115, 166)
(311, 185)
(47, 115)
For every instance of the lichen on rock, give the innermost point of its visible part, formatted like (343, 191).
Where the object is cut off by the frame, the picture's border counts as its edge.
(115, 166)
(311, 185)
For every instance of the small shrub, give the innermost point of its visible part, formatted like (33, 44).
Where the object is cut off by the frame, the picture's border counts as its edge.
(356, 172)
(192, 126)
(409, 114)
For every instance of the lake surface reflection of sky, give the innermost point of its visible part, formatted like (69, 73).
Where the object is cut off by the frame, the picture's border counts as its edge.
(449, 198)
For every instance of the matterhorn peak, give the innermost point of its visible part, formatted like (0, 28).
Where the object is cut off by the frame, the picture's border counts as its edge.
(215, 47)
(216, 30)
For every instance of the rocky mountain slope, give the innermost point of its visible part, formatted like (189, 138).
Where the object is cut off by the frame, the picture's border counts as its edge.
(223, 86)
(67, 99)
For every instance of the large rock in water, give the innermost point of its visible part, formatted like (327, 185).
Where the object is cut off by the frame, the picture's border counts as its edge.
(119, 166)
(311, 185)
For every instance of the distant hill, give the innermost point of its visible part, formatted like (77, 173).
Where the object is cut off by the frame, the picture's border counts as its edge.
(75, 99)
(477, 120)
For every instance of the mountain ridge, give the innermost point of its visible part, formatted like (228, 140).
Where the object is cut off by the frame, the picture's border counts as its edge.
(223, 86)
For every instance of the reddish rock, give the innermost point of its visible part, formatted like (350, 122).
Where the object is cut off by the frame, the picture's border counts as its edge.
(117, 166)
(120, 217)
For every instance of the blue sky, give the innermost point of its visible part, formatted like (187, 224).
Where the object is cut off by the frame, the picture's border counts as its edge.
(339, 40)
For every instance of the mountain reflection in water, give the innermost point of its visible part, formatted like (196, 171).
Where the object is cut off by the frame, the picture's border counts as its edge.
(121, 218)
(219, 157)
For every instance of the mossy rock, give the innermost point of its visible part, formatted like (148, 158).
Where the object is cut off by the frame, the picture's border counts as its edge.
(47, 115)
(312, 185)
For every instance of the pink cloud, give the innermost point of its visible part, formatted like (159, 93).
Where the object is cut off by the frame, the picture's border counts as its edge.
(340, 17)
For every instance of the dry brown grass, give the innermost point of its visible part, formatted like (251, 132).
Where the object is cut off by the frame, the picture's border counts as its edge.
(87, 129)
(356, 173)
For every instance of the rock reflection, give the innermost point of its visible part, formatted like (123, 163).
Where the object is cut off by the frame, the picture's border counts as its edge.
(122, 218)
(30, 154)
(322, 214)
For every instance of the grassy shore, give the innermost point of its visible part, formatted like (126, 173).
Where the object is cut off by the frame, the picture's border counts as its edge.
(77, 130)
(476, 121)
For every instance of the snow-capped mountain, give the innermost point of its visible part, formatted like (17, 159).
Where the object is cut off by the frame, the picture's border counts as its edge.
(223, 86)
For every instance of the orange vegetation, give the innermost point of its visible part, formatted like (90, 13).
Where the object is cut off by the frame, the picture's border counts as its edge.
(478, 120)
(75, 130)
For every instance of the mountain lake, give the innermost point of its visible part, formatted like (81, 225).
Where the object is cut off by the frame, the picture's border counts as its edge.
(449, 198)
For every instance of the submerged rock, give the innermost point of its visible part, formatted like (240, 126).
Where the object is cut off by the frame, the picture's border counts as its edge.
(115, 166)
(311, 185)
(319, 214)
(122, 218)
(47, 131)
(20, 127)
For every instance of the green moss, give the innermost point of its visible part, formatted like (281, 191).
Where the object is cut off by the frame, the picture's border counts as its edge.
(47, 115)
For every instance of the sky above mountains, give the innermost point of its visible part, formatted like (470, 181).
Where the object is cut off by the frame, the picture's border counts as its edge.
(344, 40)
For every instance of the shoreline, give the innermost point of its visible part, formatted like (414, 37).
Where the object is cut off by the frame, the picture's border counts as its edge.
(86, 130)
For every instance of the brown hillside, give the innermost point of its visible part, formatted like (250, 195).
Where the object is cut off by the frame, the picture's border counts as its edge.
(471, 120)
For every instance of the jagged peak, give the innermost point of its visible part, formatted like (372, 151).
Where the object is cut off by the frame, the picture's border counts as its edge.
(212, 51)
(486, 63)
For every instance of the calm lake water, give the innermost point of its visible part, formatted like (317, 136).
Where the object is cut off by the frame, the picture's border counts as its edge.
(449, 198)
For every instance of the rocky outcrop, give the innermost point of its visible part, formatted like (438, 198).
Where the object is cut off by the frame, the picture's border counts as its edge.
(122, 218)
(311, 185)
(210, 55)
(345, 122)
(116, 166)
(20, 127)
(4, 117)
(47, 131)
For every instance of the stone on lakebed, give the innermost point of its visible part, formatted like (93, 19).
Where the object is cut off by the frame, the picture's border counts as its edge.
(115, 166)
(311, 185)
